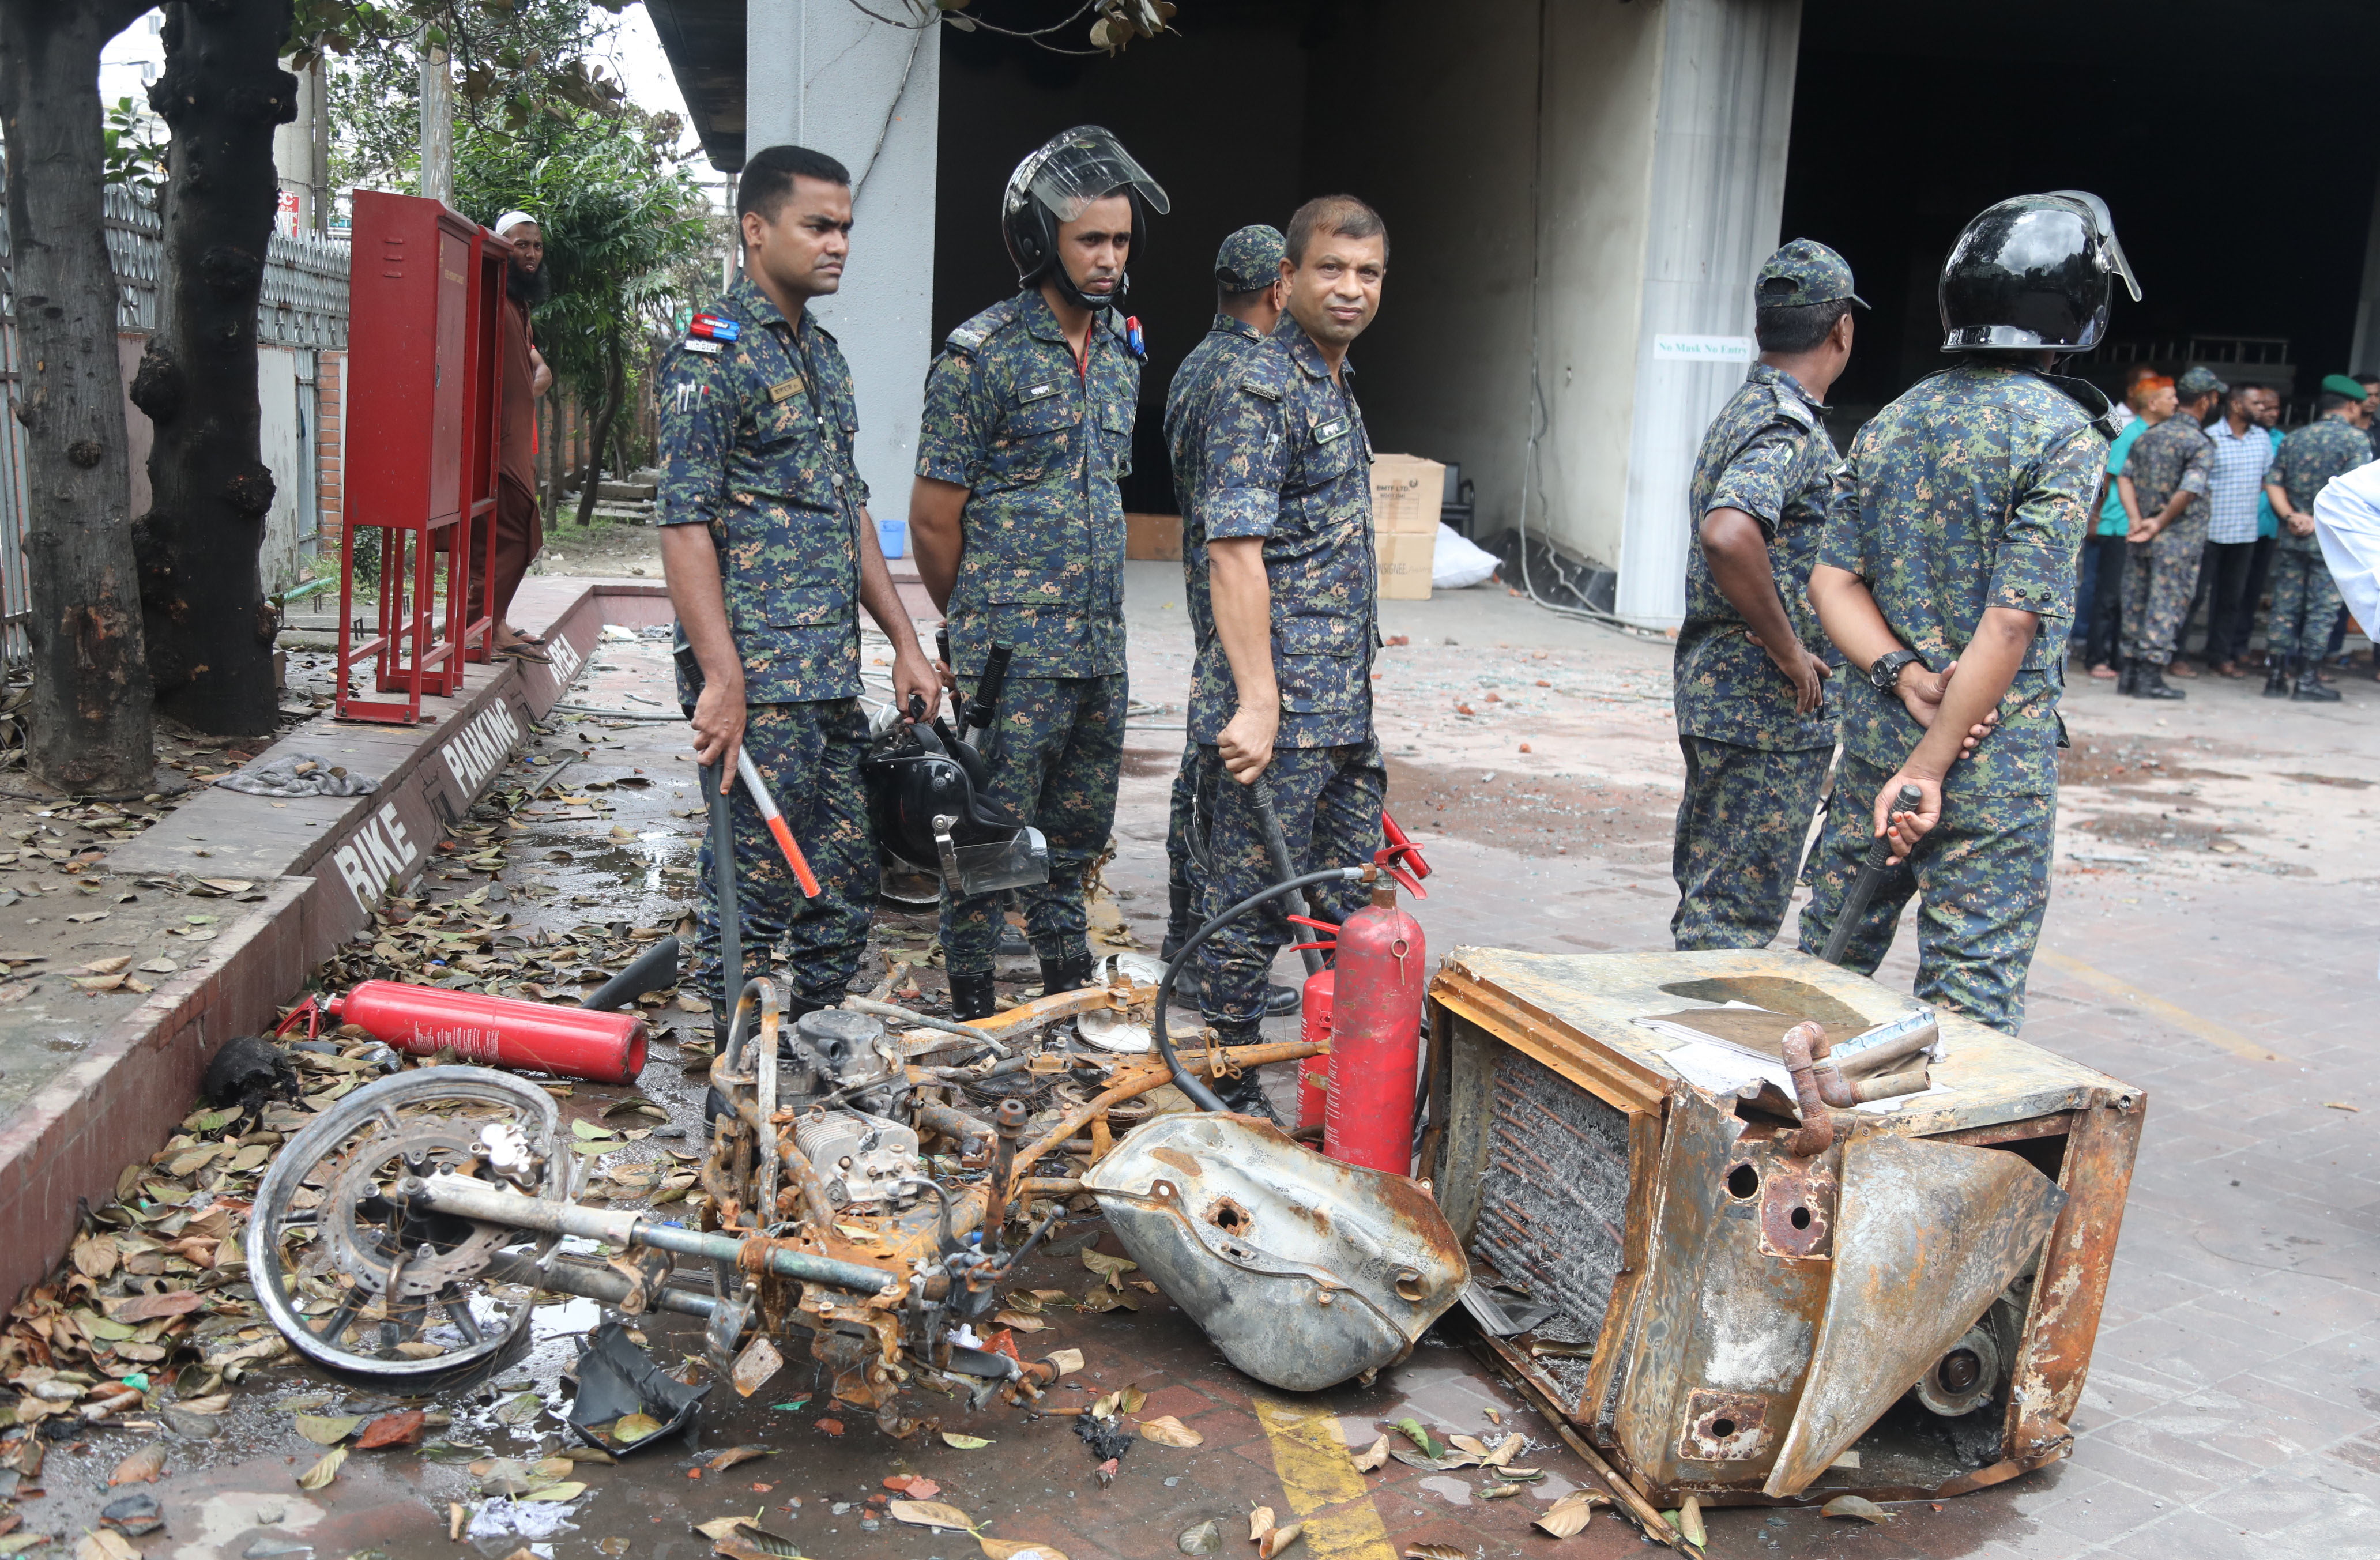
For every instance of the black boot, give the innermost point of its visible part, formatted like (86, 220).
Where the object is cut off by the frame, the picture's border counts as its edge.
(2151, 683)
(2277, 681)
(1181, 917)
(971, 998)
(1281, 1000)
(2313, 689)
(2127, 678)
(1071, 973)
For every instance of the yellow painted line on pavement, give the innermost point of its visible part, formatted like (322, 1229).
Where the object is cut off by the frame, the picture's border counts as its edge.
(2213, 1034)
(1325, 1491)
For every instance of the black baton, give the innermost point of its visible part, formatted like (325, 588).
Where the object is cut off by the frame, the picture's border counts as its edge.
(1871, 873)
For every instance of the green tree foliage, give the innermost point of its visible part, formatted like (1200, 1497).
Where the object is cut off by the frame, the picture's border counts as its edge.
(627, 231)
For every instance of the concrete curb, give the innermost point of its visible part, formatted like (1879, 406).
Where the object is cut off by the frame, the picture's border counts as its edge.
(326, 863)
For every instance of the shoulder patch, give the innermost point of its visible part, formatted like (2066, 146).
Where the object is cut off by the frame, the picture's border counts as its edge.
(970, 336)
(1266, 373)
(1793, 409)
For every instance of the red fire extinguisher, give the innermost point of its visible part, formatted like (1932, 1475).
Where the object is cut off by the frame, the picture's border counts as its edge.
(602, 1047)
(1314, 1029)
(1375, 1034)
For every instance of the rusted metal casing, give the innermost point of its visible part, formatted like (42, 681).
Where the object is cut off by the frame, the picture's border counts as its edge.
(1746, 1307)
(1305, 1271)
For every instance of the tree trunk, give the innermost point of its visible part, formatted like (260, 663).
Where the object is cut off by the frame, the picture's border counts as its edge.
(615, 381)
(210, 631)
(91, 719)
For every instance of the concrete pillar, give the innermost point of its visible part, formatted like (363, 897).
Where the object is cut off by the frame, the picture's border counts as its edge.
(824, 75)
(301, 153)
(1722, 117)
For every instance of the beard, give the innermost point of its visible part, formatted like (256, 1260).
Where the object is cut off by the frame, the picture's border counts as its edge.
(527, 288)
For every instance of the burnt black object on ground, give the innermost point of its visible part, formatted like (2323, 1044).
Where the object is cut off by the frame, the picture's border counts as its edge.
(615, 1377)
(1106, 1438)
(248, 1071)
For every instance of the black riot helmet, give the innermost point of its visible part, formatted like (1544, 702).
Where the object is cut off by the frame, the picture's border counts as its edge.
(2033, 273)
(1052, 184)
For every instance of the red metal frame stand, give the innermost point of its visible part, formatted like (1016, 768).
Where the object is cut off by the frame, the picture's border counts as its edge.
(425, 404)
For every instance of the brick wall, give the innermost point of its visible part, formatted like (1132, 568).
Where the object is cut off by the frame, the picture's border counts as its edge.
(331, 421)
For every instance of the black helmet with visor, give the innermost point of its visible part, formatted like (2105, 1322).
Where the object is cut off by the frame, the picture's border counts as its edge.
(2034, 273)
(1054, 185)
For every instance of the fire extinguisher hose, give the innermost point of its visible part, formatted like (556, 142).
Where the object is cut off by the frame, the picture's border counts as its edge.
(1183, 1079)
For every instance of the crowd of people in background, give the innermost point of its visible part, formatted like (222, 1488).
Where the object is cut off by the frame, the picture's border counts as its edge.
(2223, 500)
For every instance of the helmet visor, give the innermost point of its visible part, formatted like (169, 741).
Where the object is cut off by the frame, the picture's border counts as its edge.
(2103, 227)
(1084, 164)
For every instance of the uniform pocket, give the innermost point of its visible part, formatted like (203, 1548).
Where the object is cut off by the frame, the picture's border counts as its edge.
(1318, 662)
(803, 606)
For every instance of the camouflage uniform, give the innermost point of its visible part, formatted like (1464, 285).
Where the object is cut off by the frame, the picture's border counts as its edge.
(1972, 490)
(2305, 599)
(1755, 766)
(756, 443)
(1038, 447)
(1249, 259)
(1285, 458)
(2161, 574)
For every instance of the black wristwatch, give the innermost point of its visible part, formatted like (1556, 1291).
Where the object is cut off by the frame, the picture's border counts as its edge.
(1886, 672)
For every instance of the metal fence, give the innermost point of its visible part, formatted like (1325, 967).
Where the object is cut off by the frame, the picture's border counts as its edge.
(304, 307)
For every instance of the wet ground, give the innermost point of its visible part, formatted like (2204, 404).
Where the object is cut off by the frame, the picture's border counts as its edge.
(2234, 1407)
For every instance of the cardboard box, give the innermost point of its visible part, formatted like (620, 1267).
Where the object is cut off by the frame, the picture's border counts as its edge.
(1153, 537)
(1407, 493)
(1405, 561)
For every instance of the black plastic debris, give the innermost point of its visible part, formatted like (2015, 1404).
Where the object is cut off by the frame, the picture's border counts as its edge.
(1107, 1438)
(249, 1071)
(616, 1378)
(132, 1515)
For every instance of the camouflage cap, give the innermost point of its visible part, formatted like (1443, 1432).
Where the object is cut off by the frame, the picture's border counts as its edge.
(1812, 273)
(1250, 259)
(2197, 381)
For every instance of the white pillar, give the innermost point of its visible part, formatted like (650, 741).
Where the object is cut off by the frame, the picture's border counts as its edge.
(437, 176)
(1722, 117)
(822, 74)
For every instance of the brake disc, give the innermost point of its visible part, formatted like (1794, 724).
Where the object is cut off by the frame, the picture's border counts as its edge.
(369, 1238)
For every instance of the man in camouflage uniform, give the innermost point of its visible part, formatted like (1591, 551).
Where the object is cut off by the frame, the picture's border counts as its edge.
(769, 553)
(1281, 694)
(1248, 293)
(1751, 669)
(2305, 599)
(1020, 539)
(2172, 468)
(1946, 573)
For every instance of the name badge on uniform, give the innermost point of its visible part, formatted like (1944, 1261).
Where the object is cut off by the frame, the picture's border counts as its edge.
(784, 389)
(1325, 432)
(710, 349)
(1038, 392)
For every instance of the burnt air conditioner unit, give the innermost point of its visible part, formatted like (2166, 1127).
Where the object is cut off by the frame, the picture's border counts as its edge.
(1907, 1313)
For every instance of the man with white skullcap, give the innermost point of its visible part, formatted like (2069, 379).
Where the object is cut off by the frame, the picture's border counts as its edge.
(519, 530)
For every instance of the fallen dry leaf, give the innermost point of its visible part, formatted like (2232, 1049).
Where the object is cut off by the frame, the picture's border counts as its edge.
(1373, 1456)
(142, 1467)
(1857, 1505)
(149, 1307)
(1018, 1549)
(1506, 1450)
(930, 1513)
(965, 1443)
(323, 1472)
(734, 1455)
(1436, 1552)
(1500, 1490)
(401, 1429)
(1690, 1522)
(630, 1429)
(1259, 1523)
(1567, 1517)
(117, 965)
(327, 1430)
(1277, 1539)
(2332, 1105)
(1170, 1431)
(1204, 1539)
(101, 1545)
(1105, 1265)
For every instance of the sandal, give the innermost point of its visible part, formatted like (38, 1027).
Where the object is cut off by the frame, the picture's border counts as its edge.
(524, 651)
